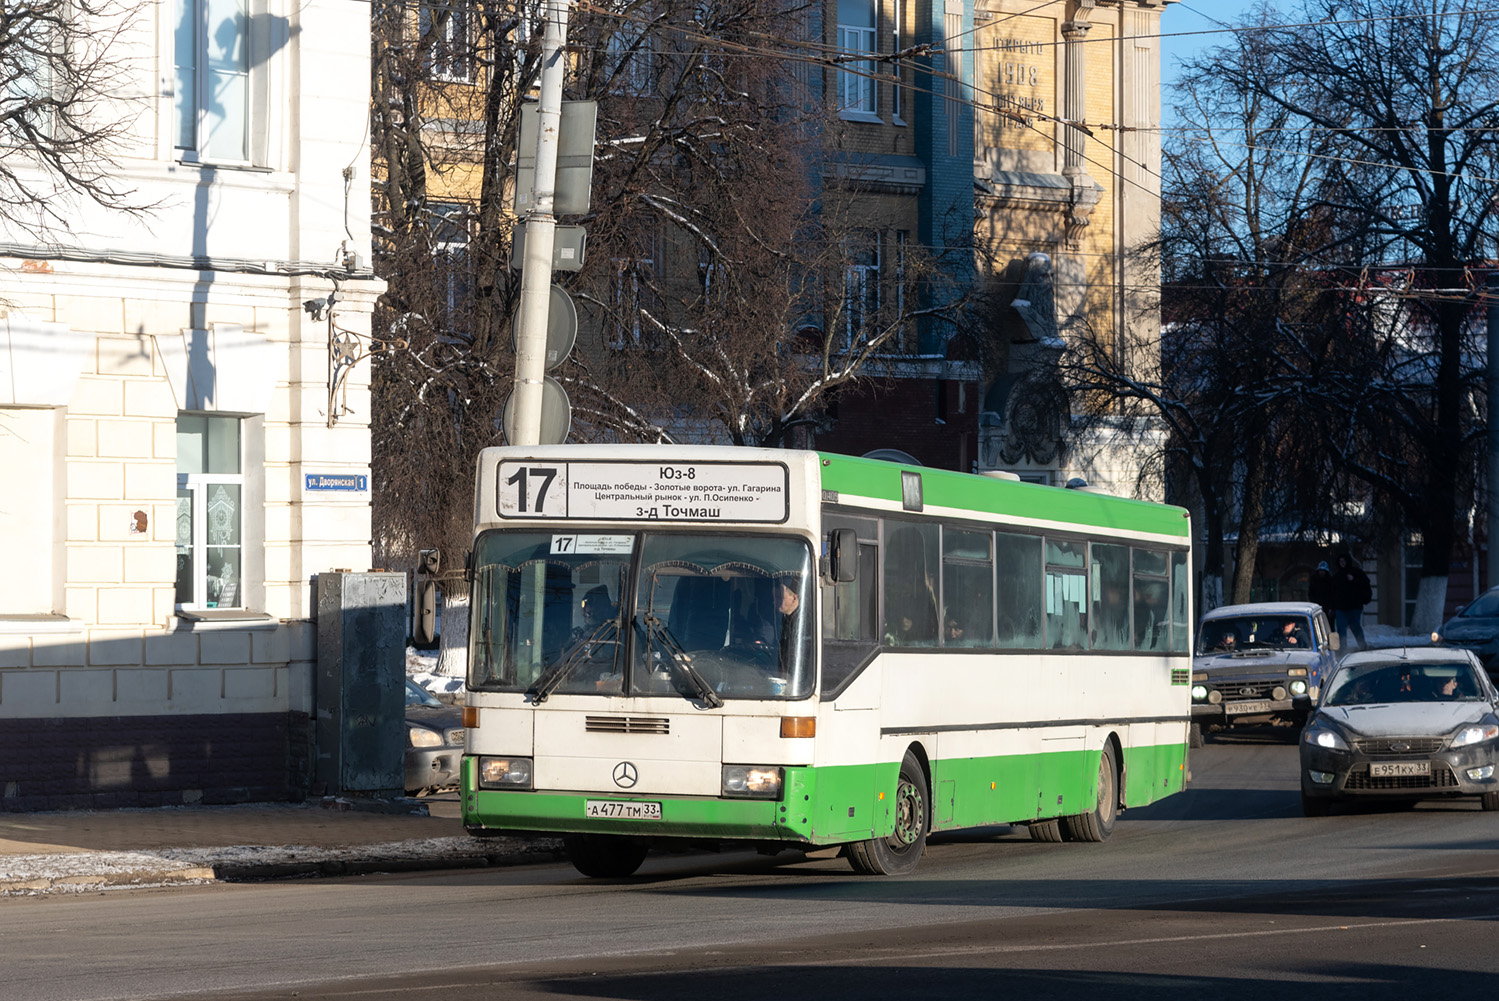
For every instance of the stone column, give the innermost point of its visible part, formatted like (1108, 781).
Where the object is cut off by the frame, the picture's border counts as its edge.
(1074, 110)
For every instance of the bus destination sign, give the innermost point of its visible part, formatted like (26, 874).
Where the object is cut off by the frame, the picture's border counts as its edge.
(644, 491)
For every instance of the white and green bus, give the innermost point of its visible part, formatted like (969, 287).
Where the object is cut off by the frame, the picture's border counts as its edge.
(792, 649)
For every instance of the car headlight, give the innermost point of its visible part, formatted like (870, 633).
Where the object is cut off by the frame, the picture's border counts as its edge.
(752, 781)
(1199, 692)
(1475, 734)
(1298, 687)
(504, 773)
(420, 736)
(1319, 737)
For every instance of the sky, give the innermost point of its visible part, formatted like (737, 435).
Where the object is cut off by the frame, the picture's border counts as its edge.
(1197, 16)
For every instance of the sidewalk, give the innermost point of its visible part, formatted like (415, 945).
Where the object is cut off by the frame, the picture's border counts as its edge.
(92, 849)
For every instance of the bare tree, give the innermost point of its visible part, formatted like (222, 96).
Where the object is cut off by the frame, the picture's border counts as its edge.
(63, 120)
(1406, 95)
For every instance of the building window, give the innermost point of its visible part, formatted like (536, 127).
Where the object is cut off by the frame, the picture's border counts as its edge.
(899, 41)
(630, 58)
(211, 45)
(445, 31)
(450, 263)
(861, 289)
(633, 300)
(953, 25)
(210, 512)
(30, 504)
(856, 34)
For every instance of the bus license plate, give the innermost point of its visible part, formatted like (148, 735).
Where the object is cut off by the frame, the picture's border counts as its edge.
(1392, 769)
(616, 809)
(1245, 708)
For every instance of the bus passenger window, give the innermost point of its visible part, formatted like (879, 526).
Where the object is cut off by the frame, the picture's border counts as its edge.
(1110, 583)
(1066, 595)
(967, 589)
(910, 591)
(1017, 559)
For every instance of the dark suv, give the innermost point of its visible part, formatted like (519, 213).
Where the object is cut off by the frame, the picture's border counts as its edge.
(1261, 663)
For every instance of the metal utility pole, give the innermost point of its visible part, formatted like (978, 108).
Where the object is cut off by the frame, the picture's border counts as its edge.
(541, 230)
(1492, 287)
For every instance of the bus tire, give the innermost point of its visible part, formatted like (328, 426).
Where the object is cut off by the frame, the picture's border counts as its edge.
(1049, 831)
(604, 855)
(1098, 823)
(898, 854)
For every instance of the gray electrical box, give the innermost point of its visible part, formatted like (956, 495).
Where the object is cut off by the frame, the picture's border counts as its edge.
(361, 683)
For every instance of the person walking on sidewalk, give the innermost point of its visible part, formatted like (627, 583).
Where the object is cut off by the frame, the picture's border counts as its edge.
(1350, 593)
(1319, 588)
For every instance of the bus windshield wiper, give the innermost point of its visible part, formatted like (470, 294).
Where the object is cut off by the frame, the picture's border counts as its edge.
(544, 685)
(681, 659)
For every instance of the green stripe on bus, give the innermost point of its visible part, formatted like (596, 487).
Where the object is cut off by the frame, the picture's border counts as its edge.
(832, 805)
(944, 488)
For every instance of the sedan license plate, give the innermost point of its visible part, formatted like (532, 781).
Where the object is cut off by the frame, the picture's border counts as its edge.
(618, 809)
(1245, 708)
(1391, 769)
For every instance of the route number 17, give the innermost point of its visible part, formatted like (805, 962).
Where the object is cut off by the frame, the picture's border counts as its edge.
(531, 490)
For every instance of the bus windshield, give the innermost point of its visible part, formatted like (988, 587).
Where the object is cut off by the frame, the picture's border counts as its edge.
(710, 617)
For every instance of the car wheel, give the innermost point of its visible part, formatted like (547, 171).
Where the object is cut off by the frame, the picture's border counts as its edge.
(898, 854)
(1194, 735)
(1313, 806)
(1098, 823)
(604, 855)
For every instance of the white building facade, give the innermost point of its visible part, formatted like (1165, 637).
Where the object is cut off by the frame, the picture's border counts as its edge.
(184, 418)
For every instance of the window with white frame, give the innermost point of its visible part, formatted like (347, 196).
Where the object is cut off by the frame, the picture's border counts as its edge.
(898, 41)
(211, 46)
(633, 299)
(30, 504)
(861, 288)
(210, 512)
(445, 30)
(450, 263)
(856, 34)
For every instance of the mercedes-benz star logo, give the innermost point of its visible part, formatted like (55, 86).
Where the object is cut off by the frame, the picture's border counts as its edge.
(625, 775)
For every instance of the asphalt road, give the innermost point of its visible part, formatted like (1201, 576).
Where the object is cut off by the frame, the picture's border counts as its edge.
(1224, 889)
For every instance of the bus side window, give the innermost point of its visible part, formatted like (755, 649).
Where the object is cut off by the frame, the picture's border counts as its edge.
(967, 589)
(910, 591)
(1017, 560)
(1066, 595)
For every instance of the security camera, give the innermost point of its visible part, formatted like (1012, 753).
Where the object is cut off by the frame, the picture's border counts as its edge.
(315, 307)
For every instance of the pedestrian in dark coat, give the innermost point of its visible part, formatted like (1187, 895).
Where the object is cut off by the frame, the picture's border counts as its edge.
(1319, 588)
(1350, 593)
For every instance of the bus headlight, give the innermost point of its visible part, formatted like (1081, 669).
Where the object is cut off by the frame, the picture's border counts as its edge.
(752, 781)
(504, 773)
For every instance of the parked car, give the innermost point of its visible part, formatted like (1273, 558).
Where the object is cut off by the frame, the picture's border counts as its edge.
(1259, 663)
(1476, 627)
(434, 741)
(1404, 724)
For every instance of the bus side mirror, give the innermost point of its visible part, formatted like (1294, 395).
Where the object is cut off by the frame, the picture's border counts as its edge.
(425, 630)
(843, 555)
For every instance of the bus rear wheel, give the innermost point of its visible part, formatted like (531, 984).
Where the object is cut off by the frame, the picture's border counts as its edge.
(1049, 831)
(604, 855)
(898, 853)
(1098, 823)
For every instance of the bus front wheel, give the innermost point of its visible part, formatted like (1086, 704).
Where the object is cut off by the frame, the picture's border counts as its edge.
(604, 855)
(1098, 823)
(898, 853)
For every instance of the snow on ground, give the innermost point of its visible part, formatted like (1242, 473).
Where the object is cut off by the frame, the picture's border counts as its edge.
(421, 667)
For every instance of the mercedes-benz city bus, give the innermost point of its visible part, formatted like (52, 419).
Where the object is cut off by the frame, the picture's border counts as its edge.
(791, 649)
